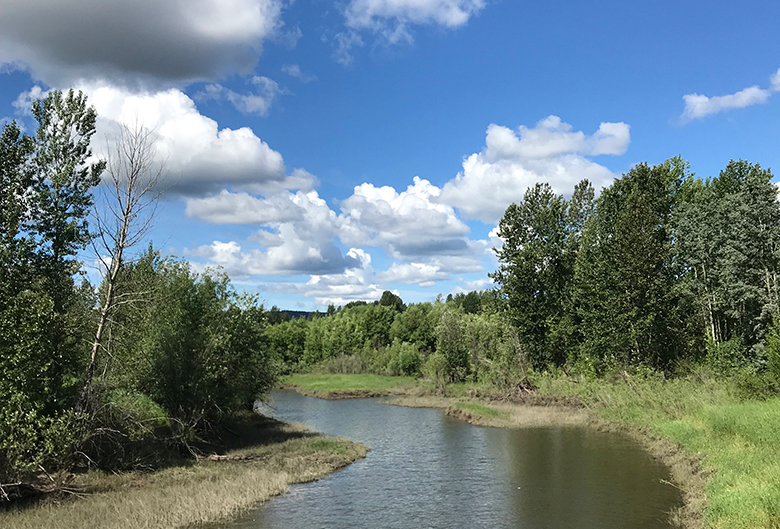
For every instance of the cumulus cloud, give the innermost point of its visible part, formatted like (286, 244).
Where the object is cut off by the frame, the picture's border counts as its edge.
(293, 70)
(252, 103)
(146, 41)
(199, 156)
(514, 160)
(408, 225)
(699, 106)
(424, 275)
(301, 239)
(243, 208)
(353, 284)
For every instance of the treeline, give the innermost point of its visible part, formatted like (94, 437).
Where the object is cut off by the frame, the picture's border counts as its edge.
(179, 353)
(461, 338)
(661, 271)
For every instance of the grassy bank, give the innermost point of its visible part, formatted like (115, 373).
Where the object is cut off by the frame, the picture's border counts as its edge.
(213, 489)
(723, 451)
(327, 386)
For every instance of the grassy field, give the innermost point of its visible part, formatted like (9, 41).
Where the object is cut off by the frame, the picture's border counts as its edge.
(325, 386)
(211, 490)
(722, 450)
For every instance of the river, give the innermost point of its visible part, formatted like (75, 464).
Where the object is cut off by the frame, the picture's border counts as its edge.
(427, 470)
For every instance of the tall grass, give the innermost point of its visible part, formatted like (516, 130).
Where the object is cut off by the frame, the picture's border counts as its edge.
(208, 492)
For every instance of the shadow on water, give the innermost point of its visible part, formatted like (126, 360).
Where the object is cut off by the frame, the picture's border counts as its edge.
(429, 470)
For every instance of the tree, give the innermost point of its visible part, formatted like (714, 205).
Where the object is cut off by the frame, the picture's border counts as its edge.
(62, 179)
(541, 238)
(389, 299)
(728, 234)
(45, 196)
(130, 199)
(630, 312)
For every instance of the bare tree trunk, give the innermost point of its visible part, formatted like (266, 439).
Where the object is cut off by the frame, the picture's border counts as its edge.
(131, 196)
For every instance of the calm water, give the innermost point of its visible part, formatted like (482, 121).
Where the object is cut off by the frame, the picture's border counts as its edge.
(427, 470)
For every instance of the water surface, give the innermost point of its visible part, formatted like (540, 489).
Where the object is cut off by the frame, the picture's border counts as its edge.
(427, 470)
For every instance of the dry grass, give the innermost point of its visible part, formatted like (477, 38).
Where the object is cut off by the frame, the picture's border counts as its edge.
(498, 414)
(212, 490)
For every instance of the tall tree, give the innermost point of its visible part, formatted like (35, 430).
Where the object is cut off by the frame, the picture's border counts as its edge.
(625, 271)
(130, 197)
(45, 197)
(728, 234)
(541, 237)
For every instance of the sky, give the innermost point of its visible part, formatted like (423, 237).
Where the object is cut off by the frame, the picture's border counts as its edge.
(322, 151)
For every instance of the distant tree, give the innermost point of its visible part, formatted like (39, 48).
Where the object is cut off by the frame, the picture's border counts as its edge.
(415, 325)
(389, 299)
(472, 303)
(451, 343)
(275, 316)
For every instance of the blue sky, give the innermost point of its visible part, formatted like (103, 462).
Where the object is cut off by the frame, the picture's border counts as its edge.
(322, 151)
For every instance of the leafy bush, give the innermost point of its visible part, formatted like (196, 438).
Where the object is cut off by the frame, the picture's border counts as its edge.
(436, 368)
(726, 358)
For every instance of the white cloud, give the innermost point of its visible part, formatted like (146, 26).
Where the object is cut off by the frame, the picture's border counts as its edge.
(408, 225)
(136, 41)
(342, 50)
(243, 208)
(699, 106)
(391, 21)
(424, 275)
(253, 103)
(199, 156)
(302, 240)
(775, 81)
(293, 70)
(353, 284)
(391, 18)
(512, 161)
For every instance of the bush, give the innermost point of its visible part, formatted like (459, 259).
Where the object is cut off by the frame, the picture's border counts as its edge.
(436, 369)
(341, 365)
(726, 358)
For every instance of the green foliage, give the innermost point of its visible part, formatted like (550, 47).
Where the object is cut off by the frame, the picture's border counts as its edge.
(286, 342)
(194, 347)
(728, 235)
(541, 239)
(416, 325)
(625, 272)
(450, 343)
(773, 351)
(389, 299)
(45, 196)
(727, 357)
(437, 369)
(400, 358)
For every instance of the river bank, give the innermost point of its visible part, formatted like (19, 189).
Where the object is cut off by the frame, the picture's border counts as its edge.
(212, 489)
(721, 449)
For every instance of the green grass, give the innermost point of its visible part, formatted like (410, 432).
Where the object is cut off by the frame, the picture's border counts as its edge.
(327, 383)
(738, 440)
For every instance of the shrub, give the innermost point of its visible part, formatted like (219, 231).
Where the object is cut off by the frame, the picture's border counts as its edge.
(436, 369)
